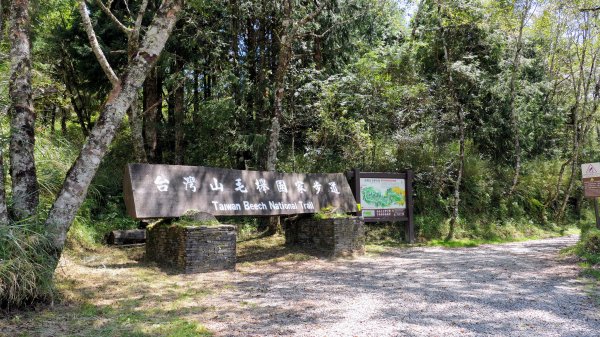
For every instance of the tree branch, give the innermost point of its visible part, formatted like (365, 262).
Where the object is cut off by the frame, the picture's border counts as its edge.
(113, 18)
(593, 9)
(89, 29)
(140, 16)
(309, 17)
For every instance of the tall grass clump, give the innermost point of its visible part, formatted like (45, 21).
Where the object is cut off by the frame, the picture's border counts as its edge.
(26, 266)
(588, 247)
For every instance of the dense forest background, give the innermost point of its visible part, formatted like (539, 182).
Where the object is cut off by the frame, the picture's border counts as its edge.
(493, 104)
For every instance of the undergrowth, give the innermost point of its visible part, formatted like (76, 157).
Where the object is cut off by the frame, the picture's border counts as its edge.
(588, 249)
(26, 267)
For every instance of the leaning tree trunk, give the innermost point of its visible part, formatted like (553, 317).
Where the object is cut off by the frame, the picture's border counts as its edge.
(22, 116)
(119, 100)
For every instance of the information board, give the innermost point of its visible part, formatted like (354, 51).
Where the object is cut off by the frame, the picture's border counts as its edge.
(384, 197)
(590, 173)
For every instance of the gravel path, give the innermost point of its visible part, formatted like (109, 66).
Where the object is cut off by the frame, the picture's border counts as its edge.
(517, 289)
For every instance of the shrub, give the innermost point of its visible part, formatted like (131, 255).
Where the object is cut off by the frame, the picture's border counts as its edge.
(26, 267)
(591, 242)
(588, 246)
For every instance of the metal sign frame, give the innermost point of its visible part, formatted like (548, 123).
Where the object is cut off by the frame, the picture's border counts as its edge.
(590, 178)
(392, 216)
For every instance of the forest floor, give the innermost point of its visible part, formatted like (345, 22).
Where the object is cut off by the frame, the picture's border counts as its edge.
(515, 289)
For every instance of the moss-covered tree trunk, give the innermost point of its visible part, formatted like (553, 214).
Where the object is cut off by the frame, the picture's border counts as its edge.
(22, 116)
(3, 210)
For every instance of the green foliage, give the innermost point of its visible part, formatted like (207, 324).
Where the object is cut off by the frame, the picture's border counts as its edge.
(330, 213)
(26, 267)
(588, 247)
(183, 328)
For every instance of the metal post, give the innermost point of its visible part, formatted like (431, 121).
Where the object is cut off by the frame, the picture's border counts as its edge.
(409, 206)
(597, 211)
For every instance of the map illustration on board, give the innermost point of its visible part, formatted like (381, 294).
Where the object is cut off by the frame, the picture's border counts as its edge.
(382, 193)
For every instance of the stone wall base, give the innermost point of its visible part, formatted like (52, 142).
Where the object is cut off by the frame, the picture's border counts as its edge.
(192, 249)
(337, 237)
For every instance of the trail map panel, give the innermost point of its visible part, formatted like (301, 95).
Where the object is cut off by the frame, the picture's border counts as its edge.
(162, 191)
(383, 197)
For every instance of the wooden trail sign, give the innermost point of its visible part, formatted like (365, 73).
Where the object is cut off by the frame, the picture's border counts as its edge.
(165, 191)
(590, 174)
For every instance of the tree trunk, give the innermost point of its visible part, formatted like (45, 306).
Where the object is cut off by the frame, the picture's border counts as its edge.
(458, 181)
(234, 22)
(251, 65)
(284, 58)
(179, 111)
(53, 120)
(120, 98)
(152, 108)
(135, 115)
(318, 52)
(514, 117)
(3, 210)
(461, 126)
(196, 99)
(4, 220)
(285, 55)
(137, 130)
(63, 122)
(22, 116)
(70, 81)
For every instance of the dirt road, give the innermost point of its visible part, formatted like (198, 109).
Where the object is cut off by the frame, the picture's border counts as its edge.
(517, 289)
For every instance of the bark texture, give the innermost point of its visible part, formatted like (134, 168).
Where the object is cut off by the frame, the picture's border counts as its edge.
(179, 111)
(135, 115)
(119, 100)
(137, 130)
(22, 116)
(152, 108)
(4, 220)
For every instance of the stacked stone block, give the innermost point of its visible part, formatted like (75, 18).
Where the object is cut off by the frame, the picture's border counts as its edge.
(336, 236)
(192, 249)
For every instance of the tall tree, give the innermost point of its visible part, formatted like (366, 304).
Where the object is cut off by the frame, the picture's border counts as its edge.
(523, 14)
(290, 31)
(22, 115)
(120, 98)
(581, 57)
(452, 103)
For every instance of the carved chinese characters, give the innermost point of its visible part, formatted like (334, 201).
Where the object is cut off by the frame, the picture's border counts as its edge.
(153, 191)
